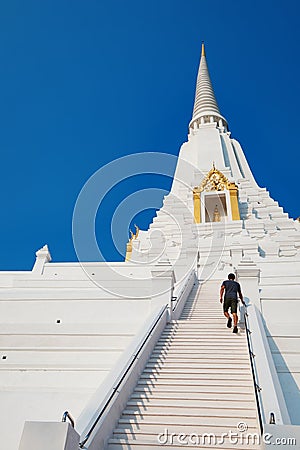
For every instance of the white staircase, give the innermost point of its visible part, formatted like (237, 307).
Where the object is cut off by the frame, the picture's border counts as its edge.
(197, 381)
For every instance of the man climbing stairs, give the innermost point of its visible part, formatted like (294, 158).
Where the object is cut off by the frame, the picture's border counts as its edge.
(197, 387)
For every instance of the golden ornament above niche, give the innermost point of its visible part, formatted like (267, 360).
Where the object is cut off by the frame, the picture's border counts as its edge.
(216, 181)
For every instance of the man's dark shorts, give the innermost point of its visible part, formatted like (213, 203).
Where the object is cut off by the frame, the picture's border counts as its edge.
(230, 303)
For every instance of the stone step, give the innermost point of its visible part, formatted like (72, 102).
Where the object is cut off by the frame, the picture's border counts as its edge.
(164, 438)
(204, 297)
(207, 327)
(119, 444)
(185, 318)
(210, 377)
(201, 324)
(173, 386)
(204, 324)
(204, 404)
(206, 352)
(206, 310)
(200, 347)
(199, 354)
(209, 396)
(180, 420)
(220, 342)
(195, 365)
(218, 365)
(202, 302)
(212, 348)
(202, 314)
(203, 293)
(210, 322)
(150, 428)
(207, 300)
(205, 337)
(235, 340)
(206, 306)
(200, 332)
(213, 302)
(199, 316)
(191, 411)
(194, 319)
(201, 379)
(201, 344)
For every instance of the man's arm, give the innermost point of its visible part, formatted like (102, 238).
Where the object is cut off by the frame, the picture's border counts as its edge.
(241, 295)
(222, 292)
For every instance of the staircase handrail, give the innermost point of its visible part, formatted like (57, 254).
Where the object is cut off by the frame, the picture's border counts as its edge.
(270, 400)
(67, 415)
(257, 388)
(184, 292)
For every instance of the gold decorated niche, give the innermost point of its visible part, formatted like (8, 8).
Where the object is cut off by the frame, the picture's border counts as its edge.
(216, 181)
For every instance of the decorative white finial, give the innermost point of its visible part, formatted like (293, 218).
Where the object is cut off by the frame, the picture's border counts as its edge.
(205, 101)
(42, 251)
(42, 256)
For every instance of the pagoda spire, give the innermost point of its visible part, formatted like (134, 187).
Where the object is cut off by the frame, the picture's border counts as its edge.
(205, 106)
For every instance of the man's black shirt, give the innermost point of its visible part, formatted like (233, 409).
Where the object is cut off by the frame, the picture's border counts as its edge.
(232, 288)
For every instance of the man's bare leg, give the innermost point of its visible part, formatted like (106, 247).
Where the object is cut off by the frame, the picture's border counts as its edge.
(229, 321)
(235, 321)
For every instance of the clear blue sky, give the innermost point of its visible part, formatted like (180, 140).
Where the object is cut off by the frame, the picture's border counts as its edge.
(85, 82)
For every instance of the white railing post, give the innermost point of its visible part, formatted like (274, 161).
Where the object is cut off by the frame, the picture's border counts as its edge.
(248, 276)
(183, 294)
(49, 436)
(42, 257)
(163, 280)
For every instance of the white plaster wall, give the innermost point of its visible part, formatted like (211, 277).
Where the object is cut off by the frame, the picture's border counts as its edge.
(280, 304)
(197, 156)
(206, 144)
(48, 367)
